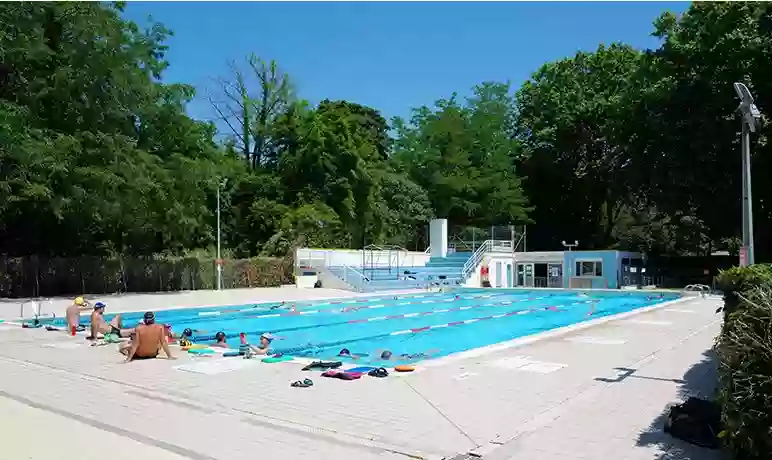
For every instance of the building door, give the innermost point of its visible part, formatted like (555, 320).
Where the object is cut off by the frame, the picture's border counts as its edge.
(525, 275)
(498, 274)
(509, 279)
(555, 275)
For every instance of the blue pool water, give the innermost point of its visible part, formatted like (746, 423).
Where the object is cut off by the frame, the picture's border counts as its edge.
(412, 327)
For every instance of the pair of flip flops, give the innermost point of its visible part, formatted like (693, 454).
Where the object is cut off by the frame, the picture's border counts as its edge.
(305, 383)
(323, 365)
(380, 373)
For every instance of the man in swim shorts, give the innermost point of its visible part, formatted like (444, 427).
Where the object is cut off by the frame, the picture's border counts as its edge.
(100, 326)
(264, 347)
(147, 341)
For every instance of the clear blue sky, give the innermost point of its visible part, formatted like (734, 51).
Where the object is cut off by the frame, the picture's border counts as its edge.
(390, 56)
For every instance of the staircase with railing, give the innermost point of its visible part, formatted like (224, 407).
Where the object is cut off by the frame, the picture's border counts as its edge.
(438, 271)
(383, 274)
(477, 257)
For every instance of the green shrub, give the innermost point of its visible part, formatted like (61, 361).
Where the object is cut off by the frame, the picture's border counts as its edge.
(742, 280)
(745, 369)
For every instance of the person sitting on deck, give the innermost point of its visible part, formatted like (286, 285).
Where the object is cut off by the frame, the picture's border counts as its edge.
(147, 341)
(220, 340)
(73, 314)
(100, 326)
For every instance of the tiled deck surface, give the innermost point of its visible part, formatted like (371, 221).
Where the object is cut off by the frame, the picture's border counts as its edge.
(508, 404)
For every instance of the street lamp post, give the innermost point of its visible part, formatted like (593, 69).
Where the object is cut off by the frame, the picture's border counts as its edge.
(220, 184)
(750, 116)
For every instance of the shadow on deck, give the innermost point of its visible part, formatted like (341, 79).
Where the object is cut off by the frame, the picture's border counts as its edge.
(700, 380)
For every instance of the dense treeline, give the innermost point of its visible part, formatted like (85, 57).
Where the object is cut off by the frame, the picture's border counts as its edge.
(626, 148)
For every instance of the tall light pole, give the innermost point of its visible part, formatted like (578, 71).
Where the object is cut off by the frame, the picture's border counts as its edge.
(749, 116)
(220, 184)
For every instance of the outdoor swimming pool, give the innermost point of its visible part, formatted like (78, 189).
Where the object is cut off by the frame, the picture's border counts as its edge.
(420, 326)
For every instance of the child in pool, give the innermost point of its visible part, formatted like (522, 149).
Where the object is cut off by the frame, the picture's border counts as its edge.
(346, 353)
(220, 340)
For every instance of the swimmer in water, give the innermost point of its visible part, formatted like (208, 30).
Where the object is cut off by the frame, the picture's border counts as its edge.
(345, 353)
(387, 355)
(220, 340)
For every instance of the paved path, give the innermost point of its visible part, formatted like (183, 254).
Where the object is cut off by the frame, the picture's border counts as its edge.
(594, 393)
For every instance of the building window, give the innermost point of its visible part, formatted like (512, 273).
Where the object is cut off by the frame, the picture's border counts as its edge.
(589, 268)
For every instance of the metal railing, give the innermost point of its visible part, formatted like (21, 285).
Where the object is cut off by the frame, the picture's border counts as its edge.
(476, 258)
(486, 246)
(354, 278)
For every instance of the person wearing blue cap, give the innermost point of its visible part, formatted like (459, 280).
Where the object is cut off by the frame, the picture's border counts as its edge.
(100, 326)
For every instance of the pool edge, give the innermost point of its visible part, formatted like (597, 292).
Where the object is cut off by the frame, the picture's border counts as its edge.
(529, 339)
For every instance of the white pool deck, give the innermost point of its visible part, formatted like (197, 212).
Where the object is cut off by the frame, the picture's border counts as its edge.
(596, 392)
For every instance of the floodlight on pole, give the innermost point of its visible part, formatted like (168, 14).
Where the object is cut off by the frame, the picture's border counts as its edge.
(750, 117)
(570, 246)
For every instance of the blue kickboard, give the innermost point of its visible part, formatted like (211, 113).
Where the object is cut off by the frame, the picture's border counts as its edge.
(363, 369)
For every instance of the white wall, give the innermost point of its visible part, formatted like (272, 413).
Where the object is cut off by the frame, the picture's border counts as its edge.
(438, 237)
(497, 272)
(353, 258)
(492, 258)
(305, 282)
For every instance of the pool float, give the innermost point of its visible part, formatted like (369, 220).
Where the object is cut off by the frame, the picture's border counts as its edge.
(277, 359)
(404, 368)
(232, 353)
(200, 351)
(195, 347)
(362, 369)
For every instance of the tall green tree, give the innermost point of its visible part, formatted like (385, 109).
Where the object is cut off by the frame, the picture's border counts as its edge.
(94, 149)
(570, 115)
(464, 154)
(688, 135)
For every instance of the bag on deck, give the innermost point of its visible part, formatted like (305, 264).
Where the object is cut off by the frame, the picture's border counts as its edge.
(696, 421)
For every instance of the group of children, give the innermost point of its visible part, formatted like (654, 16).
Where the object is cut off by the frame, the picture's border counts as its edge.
(147, 338)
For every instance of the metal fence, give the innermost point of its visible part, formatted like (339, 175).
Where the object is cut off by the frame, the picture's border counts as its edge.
(466, 238)
(29, 277)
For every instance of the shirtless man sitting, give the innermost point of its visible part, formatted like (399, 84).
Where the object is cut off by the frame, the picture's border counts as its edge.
(73, 314)
(100, 326)
(147, 341)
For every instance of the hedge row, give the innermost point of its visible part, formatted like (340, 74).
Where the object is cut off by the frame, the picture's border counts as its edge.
(23, 277)
(745, 367)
